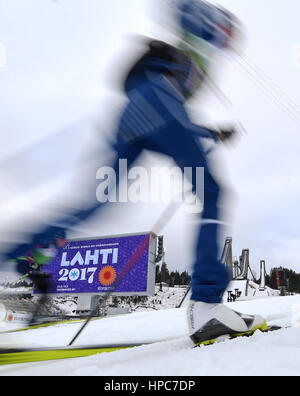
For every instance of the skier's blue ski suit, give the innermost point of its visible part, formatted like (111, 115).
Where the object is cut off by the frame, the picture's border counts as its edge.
(155, 119)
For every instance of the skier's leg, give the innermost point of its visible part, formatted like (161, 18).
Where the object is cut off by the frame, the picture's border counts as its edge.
(49, 234)
(207, 317)
(210, 277)
(42, 283)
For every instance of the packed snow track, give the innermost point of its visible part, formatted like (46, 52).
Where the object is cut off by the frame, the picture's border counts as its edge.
(262, 354)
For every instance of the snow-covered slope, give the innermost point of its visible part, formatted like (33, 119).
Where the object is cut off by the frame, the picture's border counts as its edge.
(164, 298)
(168, 297)
(262, 354)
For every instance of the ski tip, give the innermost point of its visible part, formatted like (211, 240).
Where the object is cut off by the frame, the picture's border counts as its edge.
(15, 356)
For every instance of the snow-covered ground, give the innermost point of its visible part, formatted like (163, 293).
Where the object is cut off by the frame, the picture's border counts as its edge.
(274, 353)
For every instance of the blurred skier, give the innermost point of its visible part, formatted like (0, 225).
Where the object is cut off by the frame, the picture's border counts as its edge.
(204, 24)
(158, 87)
(34, 265)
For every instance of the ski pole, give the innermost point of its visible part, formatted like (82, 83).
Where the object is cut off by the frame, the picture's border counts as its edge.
(164, 218)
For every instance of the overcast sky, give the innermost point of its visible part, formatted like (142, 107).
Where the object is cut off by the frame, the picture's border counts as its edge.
(60, 56)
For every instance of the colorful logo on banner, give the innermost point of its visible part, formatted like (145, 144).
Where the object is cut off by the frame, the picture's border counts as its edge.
(107, 275)
(93, 266)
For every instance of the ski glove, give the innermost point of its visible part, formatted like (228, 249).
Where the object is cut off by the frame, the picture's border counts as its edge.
(227, 134)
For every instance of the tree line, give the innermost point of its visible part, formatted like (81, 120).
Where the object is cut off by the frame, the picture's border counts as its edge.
(288, 278)
(171, 278)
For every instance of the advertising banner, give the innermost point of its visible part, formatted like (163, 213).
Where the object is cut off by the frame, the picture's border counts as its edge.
(94, 266)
